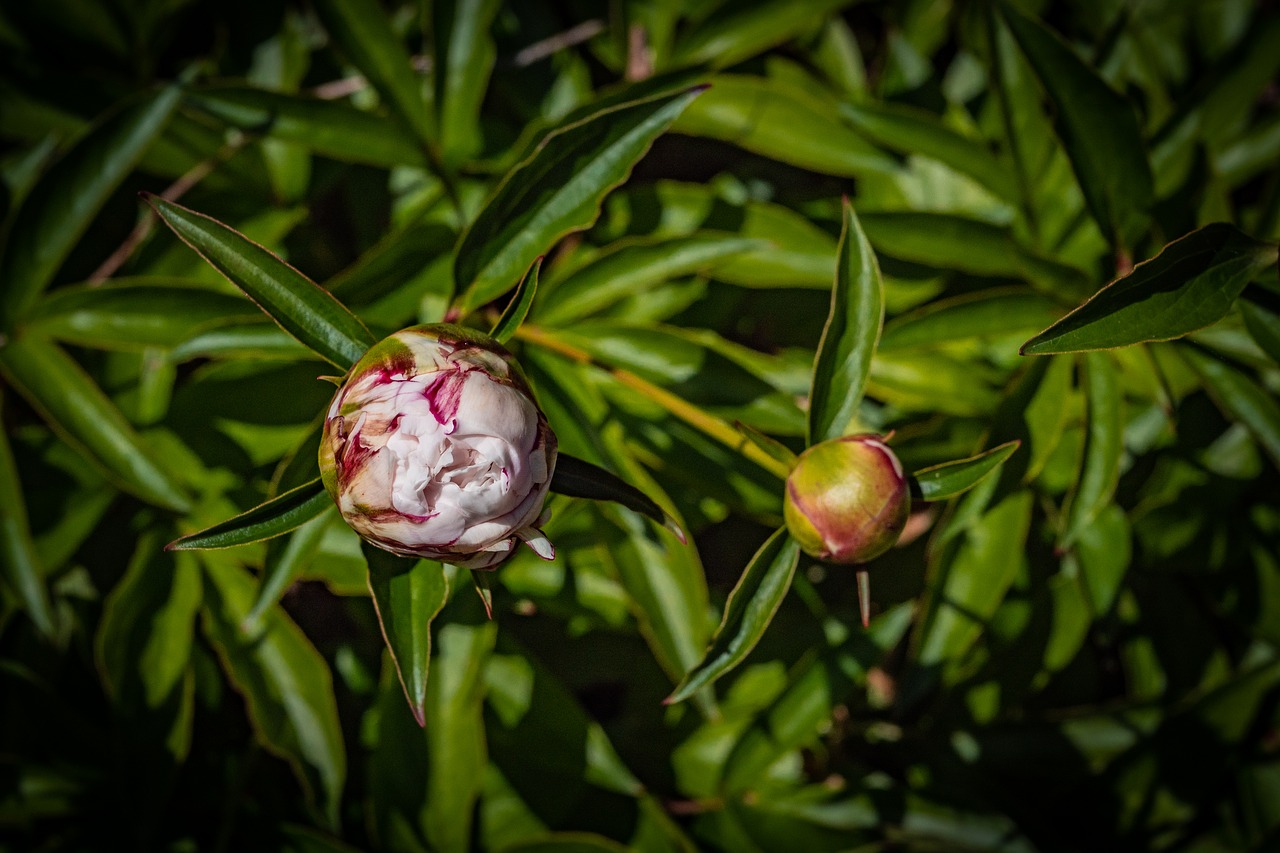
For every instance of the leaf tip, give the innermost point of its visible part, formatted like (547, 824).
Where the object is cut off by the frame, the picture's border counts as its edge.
(419, 714)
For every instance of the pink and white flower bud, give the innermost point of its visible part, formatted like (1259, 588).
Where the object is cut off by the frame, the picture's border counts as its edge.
(434, 447)
(847, 500)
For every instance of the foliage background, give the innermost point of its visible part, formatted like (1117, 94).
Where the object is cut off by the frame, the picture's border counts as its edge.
(1080, 651)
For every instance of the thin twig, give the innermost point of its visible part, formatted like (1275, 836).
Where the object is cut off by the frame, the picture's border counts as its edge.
(553, 44)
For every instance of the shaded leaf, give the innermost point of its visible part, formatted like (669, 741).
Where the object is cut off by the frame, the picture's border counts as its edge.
(464, 57)
(1104, 446)
(750, 608)
(23, 572)
(1098, 128)
(1263, 324)
(65, 201)
(939, 482)
(1241, 398)
(988, 312)
(737, 31)
(302, 309)
(274, 517)
(407, 595)
(849, 337)
(557, 190)
(1191, 284)
(578, 478)
(285, 565)
(286, 684)
(77, 409)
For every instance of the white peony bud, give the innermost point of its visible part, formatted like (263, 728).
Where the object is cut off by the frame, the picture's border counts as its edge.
(434, 447)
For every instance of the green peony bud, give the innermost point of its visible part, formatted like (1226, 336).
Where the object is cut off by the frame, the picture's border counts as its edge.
(847, 500)
(434, 447)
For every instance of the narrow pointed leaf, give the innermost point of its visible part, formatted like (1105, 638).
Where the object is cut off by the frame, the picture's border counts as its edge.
(557, 190)
(22, 570)
(286, 684)
(277, 516)
(518, 308)
(849, 338)
(939, 482)
(484, 588)
(67, 198)
(464, 56)
(1098, 129)
(363, 31)
(578, 478)
(407, 595)
(1240, 397)
(1263, 324)
(1191, 284)
(771, 446)
(747, 614)
(303, 309)
(1104, 445)
(77, 409)
(284, 567)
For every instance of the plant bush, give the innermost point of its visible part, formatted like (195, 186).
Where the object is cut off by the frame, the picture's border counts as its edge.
(1032, 245)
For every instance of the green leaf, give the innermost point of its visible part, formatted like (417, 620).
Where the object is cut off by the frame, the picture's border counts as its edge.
(975, 577)
(1098, 129)
(952, 243)
(756, 597)
(737, 31)
(332, 128)
(287, 687)
(1241, 398)
(133, 314)
(407, 595)
(58, 387)
(256, 341)
(277, 516)
(774, 448)
(579, 478)
(65, 201)
(1104, 446)
(23, 572)
(518, 308)
(143, 645)
(999, 311)
(302, 309)
(849, 338)
(632, 268)
(1191, 284)
(786, 122)
(1263, 324)
(464, 57)
(557, 190)
(914, 131)
(362, 30)
(285, 565)
(939, 482)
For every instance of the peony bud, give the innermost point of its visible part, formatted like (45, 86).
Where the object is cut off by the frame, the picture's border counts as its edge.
(847, 500)
(434, 447)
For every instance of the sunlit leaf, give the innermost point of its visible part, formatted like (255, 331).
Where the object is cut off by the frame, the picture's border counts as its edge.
(518, 308)
(301, 308)
(850, 336)
(274, 517)
(1104, 445)
(557, 190)
(939, 482)
(1191, 284)
(464, 55)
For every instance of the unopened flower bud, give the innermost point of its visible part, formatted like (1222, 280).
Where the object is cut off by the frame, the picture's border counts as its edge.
(847, 500)
(434, 447)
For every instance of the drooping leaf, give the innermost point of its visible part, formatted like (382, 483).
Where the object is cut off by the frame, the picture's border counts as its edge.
(464, 56)
(285, 565)
(750, 608)
(362, 30)
(61, 207)
(287, 686)
(939, 482)
(302, 309)
(518, 308)
(914, 131)
(1241, 398)
(1098, 128)
(23, 571)
(274, 517)
(578, 478)
(1191, 284)
(633, 268)
(1104, 445)
(557, 190)
(133, 315)
(849, 338)
(58, 387)
(407, 595)
(789, 123)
